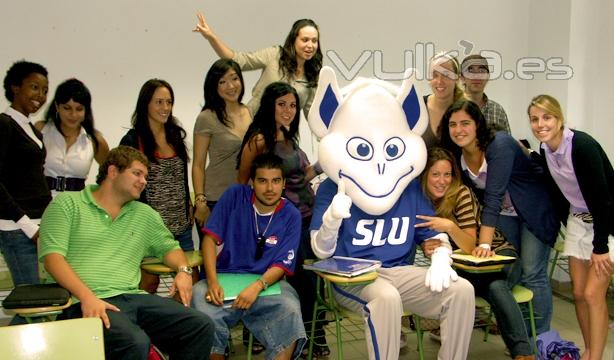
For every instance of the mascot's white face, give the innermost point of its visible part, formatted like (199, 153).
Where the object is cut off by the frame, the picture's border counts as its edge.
(370, 138)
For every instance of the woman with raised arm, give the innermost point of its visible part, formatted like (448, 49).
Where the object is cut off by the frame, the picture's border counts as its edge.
(458, 215)
(157, 133)
(297, 62)
(24, 194)
(514, 195)
(70, 138)
(584, 174)
(218, 133)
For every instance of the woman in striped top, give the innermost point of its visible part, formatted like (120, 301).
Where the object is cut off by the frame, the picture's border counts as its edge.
(157, 133)
(457, 214)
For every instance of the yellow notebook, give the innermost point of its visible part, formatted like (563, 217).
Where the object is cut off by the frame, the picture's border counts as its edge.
(470, 260)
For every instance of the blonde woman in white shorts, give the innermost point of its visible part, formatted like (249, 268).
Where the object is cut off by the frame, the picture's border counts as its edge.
(584, 175)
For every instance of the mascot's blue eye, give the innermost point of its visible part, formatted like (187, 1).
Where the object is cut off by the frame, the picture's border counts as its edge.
(363, 150)
(394, 148)
(359, 149)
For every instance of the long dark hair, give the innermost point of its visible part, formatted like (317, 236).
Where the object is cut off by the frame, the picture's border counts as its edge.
(75, 90)
(175, 135)
(484, 132)
(287, 59)
(213, 100)
(264, 120)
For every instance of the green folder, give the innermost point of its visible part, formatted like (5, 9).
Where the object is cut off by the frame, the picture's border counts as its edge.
(233, 284)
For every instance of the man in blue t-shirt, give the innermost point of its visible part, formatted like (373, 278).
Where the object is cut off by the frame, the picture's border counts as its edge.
(259, 233)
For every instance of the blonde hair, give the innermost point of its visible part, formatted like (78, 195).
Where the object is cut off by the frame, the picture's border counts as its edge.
(444, 57)
(549, 104)
(445, 206)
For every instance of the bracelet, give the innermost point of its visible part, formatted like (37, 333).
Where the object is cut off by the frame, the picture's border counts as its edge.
(200, 197)
(265, 285)
(485, 246)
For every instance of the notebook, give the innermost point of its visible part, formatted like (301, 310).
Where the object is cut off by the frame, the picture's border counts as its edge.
(470, 260)
(234, 283)
(39, 295)
(344, 266)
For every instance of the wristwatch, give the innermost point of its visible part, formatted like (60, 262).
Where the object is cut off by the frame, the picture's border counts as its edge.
(185, 269)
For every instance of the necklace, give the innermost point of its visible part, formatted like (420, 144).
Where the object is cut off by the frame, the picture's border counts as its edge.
(258, 233)
(260, 238)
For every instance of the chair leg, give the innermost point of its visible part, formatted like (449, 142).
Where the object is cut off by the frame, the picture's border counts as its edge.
(488, 322)
(533, 331)
(312, 331)
(250, 344)
(554, 260)
(419, 336)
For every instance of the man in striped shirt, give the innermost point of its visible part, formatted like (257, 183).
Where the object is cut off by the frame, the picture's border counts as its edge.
(93, 241)
(475, 73)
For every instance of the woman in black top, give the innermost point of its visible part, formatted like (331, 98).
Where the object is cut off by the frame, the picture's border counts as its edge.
(583, 173)
(24, 194)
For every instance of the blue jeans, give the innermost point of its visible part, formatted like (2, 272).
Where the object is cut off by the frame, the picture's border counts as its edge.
(496, 289)
(19, 251)
(534, 262)
(145, 319)
(274, 320)
(185, 240)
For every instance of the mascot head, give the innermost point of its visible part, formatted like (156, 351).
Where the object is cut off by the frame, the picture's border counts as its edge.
(370, 137)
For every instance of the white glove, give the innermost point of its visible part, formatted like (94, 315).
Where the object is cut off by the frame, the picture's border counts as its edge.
(339, 208)
(440, 272)
(324, 241)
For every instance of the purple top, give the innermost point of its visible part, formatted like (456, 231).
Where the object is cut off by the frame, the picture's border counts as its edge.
(562, 171)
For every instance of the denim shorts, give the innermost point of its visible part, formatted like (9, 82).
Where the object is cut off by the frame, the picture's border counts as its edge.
(274, 320)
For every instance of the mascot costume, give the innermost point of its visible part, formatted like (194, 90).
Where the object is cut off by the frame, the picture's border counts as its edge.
(372, 152)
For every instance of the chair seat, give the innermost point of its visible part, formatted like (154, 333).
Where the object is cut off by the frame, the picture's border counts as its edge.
(522, 294)
(480, 302)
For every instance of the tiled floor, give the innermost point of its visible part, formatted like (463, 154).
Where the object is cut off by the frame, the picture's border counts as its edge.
(564, 321)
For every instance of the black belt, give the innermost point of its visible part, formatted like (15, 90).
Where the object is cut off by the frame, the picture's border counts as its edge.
(62, 183)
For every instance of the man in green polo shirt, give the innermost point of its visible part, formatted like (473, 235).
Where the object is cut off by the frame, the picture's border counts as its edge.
(92, 243)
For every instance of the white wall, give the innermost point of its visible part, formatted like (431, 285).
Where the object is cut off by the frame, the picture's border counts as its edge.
(114, 46)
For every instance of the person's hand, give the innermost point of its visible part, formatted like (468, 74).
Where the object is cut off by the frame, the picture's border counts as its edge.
(202, 27)
(93, 307)
(215, 293)
(440, 272)
(482, 252)
(429, 246)
(602, 264)
(247, 296)
(201, 213)
(438, 224)
(183, 285)
(191, 214)
(341, 204)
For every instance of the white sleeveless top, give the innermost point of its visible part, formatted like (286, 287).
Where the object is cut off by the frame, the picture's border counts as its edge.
(74, 162)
